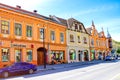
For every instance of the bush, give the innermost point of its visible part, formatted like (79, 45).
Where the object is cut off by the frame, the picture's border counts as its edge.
(118, 51)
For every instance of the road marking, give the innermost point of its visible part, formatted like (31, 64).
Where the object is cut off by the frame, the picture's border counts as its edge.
(116, 77)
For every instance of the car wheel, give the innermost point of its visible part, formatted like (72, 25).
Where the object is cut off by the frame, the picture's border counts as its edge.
(31, 71)
(5, 74)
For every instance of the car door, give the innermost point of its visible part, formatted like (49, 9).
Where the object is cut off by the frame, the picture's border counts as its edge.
(15, 69)
(25, 67)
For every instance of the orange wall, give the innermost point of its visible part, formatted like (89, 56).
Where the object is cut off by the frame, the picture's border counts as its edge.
(36, 23)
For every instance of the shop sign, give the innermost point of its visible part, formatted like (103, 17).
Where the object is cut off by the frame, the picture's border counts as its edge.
(18, 45)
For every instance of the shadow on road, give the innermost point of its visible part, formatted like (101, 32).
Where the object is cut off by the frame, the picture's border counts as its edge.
(63, 69)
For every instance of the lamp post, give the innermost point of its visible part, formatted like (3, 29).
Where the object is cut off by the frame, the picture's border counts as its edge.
(44, 52)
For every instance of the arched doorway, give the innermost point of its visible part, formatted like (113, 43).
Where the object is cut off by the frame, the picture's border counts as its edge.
(72, 55)
(104, 55)
(79, 55)
(100, 55)
(86, 55)
(93, 55)
(40, 55)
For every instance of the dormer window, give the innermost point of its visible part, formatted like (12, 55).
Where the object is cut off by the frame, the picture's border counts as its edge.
(80, 27)
(76, 27)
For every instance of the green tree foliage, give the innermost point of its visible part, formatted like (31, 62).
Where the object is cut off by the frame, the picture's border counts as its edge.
(118, 51)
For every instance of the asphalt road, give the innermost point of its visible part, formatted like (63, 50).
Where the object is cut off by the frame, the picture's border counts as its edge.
(101, 71)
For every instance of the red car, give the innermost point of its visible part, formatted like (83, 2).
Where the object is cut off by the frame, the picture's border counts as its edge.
(17, 69)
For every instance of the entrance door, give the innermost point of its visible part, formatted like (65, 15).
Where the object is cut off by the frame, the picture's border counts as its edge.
(79, 57)
(40, 58)
(18, 55)
(86, 56)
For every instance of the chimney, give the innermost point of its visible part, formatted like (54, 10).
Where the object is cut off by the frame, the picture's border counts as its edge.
(35, 11)
(17, 6)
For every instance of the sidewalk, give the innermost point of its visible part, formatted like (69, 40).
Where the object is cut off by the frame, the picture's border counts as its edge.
(58, 66)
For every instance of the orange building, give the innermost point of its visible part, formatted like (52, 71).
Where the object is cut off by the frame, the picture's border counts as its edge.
(98, 43)
(22, 34)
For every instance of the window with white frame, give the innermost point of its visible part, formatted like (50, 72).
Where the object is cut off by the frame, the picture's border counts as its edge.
(29, 55)
(71, 38)
(18, 29)
(4, 27)
(85, 40)
(92, 42)
(61, 37)
(5, 54)
(52, 35)
(41, 32)
(29, 31)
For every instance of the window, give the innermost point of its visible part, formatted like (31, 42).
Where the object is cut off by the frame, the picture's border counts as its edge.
(29, 31)
(80, 27)
(97, 43)
(29, 55)
(41, 33)
(61, 37)
(78, 39)
(5, 54)
(4, 27)
(18, 29)
(71, 38)
(52, 35)
(92, 42)
(76, 27)
(85, 40)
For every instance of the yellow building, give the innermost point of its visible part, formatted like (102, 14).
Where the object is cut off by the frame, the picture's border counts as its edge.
(24, 36)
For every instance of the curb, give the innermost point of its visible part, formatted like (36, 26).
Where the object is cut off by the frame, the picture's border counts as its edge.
(70, 65)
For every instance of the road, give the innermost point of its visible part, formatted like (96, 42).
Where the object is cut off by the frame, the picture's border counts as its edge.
(101, 71)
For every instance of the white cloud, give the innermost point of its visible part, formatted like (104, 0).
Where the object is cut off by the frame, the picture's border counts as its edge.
(26, 4)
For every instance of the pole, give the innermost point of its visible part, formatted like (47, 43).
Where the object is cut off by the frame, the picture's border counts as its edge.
(44, 52)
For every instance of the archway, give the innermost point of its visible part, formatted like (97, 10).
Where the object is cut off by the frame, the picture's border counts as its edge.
(79, 55)
(86, 55)
(72, 55)
(40, 55)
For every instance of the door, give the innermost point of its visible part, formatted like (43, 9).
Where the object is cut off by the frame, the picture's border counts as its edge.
(79, 57)
(40, 58)
(18, 55)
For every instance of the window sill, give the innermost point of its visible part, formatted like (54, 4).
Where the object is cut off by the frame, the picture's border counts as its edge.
(5, 35)
(29, 38)
(18, 37)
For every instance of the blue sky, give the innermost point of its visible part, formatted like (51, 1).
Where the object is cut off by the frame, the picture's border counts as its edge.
(104, 13)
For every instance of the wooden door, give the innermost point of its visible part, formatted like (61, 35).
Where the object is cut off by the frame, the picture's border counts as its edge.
(40, 58)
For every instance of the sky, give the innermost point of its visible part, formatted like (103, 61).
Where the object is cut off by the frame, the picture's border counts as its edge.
(104, 13)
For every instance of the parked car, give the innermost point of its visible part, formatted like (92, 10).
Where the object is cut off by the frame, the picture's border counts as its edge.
(108, 58)
(118, 57)
(17, 69)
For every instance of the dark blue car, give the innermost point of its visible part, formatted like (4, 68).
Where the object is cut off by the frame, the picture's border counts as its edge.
(17, 69)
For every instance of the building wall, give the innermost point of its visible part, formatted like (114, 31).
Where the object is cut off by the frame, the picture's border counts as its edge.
(77, 46)
(98, 47)
(33, 43)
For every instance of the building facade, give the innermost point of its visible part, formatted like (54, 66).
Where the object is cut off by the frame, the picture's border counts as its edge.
(77, 41)
(98, 43)
(26, 36)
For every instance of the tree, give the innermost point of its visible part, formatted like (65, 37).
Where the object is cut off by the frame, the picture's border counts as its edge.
(118, 50)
